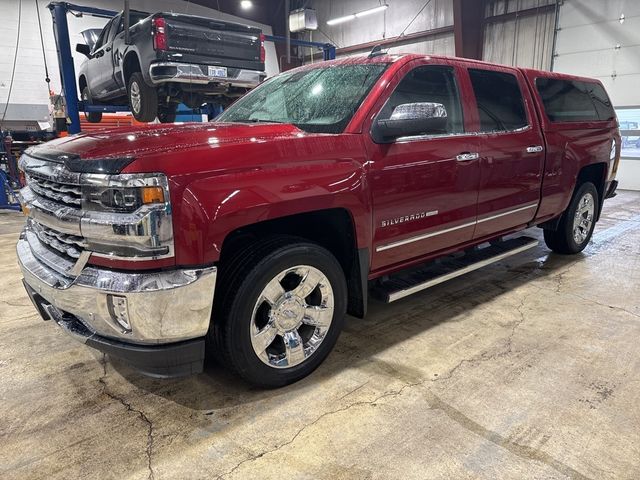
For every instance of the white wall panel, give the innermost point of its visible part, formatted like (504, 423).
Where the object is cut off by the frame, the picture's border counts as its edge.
(524, 41)
(30, 87)
(391, 23)
(591, 41)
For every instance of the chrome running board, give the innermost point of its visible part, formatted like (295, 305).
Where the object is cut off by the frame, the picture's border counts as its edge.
(404, 284)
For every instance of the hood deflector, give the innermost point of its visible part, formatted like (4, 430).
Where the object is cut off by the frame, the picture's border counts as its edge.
(75, 163)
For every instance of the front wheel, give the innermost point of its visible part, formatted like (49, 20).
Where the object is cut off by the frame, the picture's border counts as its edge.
(279, 311)
(143, 99)
(577, 223)
(92, 117)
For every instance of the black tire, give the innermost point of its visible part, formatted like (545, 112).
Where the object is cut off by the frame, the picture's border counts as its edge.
(167, 113)
(240, 285)
(563, 239)
(92, 117)
(146, 109)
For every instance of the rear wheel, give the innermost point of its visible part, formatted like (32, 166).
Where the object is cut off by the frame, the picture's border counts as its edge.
(167, 113)
(92, 117)
(577, 223)
(143, 99)
(279, 311)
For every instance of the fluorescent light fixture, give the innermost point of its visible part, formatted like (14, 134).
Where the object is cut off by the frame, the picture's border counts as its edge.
(371, 11)
(246, 4)
(336, 21)
(353, 16)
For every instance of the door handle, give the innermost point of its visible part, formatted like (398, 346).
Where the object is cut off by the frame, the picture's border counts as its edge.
(108, 49)
(99, 54)
(466, 156)
(535, 149)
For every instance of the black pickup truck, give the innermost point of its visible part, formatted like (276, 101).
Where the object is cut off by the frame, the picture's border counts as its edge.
(166, 59)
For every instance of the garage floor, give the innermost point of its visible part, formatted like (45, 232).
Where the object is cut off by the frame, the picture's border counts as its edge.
(526, 369)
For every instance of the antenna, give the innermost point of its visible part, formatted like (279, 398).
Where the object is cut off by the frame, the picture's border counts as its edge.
(376, 51)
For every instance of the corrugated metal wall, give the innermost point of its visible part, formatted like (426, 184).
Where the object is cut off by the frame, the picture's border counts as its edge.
(593, 41)
(396, 20)
(525, 41)
(29, 97)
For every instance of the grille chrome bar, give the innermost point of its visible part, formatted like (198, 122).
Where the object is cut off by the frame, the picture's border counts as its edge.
(70, 245)
(67, 194)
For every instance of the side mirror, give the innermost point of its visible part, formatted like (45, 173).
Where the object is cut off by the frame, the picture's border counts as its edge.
(408, 119)
(84, 49)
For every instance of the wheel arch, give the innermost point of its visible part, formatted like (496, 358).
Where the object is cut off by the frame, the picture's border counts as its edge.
(82, 83)
(130, 65)
(595, 173)
(331, 228)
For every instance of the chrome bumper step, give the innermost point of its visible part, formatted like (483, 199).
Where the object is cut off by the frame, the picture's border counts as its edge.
(403, 284)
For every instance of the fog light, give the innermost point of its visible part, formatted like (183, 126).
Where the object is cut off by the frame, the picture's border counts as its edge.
(119, 312)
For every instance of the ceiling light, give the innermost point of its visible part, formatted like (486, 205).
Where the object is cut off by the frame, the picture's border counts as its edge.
(246, 4)
(364, 13)
(336, 21)
(353, 16)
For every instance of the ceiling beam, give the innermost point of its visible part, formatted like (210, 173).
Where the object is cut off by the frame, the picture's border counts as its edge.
(390, 42)
(468, 17)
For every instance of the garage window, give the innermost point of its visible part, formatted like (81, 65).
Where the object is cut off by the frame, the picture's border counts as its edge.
(574, 101)
(499, 100)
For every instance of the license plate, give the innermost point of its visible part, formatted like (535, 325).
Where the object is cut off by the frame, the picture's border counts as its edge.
(220, 72)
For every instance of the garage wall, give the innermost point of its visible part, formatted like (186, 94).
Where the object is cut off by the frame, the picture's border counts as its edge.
(29, 98)
(592, 41)
(524, 41)
(390, 24)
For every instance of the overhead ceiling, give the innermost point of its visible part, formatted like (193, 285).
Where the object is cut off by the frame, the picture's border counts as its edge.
(269, 12)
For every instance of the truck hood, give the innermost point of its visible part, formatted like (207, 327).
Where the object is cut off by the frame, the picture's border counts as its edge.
(110, 151)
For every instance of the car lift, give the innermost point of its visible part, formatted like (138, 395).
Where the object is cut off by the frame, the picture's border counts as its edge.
(68, 79)
(8, 176)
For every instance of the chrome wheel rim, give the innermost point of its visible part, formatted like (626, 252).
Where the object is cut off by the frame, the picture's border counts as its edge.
(292, 316)
(135, 97)
(583, 219)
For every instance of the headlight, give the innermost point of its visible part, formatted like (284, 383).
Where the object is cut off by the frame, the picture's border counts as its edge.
(122, 199)
(127, 215)
(122, 193)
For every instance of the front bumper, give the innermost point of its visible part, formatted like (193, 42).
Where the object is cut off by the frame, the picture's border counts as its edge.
(168, 311)
(163, 72)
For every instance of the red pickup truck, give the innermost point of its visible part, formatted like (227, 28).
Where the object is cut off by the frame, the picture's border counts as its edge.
(252, 236)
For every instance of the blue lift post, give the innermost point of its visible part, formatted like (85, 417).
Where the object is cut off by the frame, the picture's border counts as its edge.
(59, 12)
(7, 191)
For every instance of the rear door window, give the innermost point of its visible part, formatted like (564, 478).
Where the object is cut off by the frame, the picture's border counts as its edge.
(574, 101)
(601, 101)
(499, 100)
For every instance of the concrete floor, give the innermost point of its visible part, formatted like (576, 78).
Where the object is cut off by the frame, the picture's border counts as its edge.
(527, 369)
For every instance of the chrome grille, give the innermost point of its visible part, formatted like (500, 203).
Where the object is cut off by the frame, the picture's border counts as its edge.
(65, 193)
(70, 245)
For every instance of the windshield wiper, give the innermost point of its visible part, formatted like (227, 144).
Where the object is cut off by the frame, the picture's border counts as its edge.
(256, 120)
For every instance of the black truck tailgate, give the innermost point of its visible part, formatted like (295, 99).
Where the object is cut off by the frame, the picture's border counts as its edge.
(212, 39)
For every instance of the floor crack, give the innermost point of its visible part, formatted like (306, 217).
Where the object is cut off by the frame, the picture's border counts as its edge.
(486, 356)
(595, 302)
(130, 408)
(393, 393)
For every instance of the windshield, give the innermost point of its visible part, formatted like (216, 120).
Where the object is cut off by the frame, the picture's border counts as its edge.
(318, 100)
